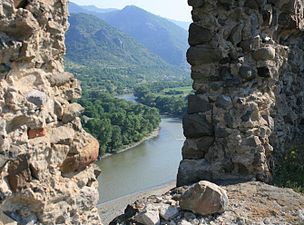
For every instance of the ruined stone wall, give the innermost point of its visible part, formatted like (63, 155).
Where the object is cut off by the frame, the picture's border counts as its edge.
(45, 155)
(247, 59)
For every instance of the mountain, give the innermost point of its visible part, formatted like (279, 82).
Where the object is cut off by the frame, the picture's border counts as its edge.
(159, 35)
(88, 9)
(95, 9)
(100, 54)
(183, 24)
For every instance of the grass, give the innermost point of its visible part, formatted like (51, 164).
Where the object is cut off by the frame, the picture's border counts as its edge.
(177, 91)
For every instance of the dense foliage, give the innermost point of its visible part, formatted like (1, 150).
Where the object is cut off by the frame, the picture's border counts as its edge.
(290, 172)
(168, 98)
(116, 122)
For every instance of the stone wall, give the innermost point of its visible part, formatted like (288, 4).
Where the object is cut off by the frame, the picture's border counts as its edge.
(247, 59)
(45, 155)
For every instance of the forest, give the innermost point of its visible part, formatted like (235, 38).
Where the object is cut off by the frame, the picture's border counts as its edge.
(115, 122)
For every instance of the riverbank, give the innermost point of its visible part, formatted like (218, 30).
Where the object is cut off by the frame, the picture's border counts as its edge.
(111, 209)
(153, 134)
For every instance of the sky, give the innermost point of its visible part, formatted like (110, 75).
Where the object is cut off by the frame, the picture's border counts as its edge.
(172, 9)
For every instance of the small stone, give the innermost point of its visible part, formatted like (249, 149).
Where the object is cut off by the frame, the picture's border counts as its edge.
(35, 133)
(71, 112)
(266, 53)
(301, 216)
(189, 216)
(247, 73)
(204, 198)
(150, 216)
(168, 212)
(184, 222)
(224, 102)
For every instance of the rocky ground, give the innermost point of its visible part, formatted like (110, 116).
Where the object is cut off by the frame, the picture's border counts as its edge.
(109, 210)
(252, 203)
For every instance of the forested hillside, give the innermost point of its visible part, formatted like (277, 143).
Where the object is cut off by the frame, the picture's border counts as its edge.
(105, 58)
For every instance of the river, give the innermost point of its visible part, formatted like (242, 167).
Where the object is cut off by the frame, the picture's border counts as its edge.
(150, 164)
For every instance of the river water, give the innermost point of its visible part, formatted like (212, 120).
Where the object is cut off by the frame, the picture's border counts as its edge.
(150, 164)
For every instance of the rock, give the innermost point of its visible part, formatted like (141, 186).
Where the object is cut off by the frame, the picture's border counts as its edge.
(61, 135)
(198, 103)
(196, 3)
(198, 35)
(266, 53)
(150, 216)
(196, 126)
(19, 174)
(184, 222)
(224, 102)
(204, 198)
(76, 163)
(35, 133)
(247, 73)
(71, 112)
(301, 216)
(191, 171)
(196, 148)
(203, 54)
(35, 100)
(168, 212)
(60, 79)
(37, 97)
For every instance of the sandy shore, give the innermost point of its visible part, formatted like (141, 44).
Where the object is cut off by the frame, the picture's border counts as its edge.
(153, 134)
(109, 210)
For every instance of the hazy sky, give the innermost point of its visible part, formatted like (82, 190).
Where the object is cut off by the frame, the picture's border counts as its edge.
(173, 9)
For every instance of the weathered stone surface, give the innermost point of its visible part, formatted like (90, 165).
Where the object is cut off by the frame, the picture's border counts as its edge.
(204, 198)
(250, 70)
(39, 126)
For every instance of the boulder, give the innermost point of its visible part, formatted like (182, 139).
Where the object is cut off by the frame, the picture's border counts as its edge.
(204, 198)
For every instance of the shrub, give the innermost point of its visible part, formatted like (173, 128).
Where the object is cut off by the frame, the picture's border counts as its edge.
(290, 172)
